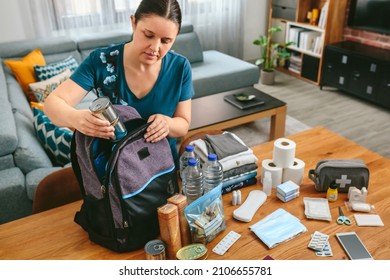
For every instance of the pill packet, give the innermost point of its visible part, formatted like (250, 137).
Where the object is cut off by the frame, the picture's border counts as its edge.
(357, 206)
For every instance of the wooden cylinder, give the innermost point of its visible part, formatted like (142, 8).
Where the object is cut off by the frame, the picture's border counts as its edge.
(168, 219)
(180, 201)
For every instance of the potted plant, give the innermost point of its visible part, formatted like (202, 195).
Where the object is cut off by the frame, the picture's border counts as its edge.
(270, 54)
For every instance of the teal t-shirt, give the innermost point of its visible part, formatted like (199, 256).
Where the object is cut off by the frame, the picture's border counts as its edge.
(103, 71)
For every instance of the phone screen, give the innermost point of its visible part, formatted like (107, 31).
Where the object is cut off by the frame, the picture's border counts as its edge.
(353, 246)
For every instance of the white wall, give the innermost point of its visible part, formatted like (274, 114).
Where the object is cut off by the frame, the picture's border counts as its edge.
(16, 22)
(254, 23)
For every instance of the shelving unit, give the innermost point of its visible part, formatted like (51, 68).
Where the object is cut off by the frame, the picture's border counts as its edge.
(359, 70)
(308, 57)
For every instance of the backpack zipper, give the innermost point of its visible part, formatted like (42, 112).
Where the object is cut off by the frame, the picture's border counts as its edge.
(117, 146)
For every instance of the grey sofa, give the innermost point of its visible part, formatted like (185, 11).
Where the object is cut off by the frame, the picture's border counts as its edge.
(23, 160)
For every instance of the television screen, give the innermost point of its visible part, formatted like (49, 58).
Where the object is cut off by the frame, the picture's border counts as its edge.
(370, 15)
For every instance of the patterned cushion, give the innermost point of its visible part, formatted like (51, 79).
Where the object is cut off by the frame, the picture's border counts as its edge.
(56, 140)
(43, 73)
(42, 89)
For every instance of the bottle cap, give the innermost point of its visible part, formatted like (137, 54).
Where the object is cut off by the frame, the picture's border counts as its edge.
(192, 162)
(333, 185)
(189, 148)
(212, 157)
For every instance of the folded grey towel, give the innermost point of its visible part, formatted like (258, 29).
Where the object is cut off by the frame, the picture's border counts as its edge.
(224, 145)
(240, 170)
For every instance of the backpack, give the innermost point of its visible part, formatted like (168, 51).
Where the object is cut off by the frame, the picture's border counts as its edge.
(122, 184)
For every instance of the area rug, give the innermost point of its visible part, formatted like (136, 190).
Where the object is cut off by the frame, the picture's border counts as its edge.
(257, 132)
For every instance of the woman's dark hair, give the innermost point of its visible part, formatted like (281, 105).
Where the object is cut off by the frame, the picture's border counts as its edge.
(168, 9)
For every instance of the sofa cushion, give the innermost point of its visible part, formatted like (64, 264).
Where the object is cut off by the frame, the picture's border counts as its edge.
(42, 89)
(6, 161)
(89, 42)
(188, 45)
(14, 203)
(48, 71)
(23, 69)
(17, 98)
(220, 72)
(56, 140)
(29, 154)
(34, 177)
(8, 138)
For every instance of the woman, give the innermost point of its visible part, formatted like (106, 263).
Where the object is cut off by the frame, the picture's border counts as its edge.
(142, 73)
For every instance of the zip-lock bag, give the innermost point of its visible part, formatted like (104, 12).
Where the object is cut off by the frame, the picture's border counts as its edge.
(122, 184)
(345, 172)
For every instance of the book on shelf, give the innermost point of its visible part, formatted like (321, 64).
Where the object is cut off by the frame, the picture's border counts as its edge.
(295, 63)
(306, 42)
(294, 35)
(323, 15)
(318, 42)
(294, 69)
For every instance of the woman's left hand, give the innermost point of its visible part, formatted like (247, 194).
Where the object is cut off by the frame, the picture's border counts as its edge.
(158, 129)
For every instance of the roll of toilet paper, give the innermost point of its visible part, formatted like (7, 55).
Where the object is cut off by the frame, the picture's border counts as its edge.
(284, 152)
(294, 172)
(276, 172)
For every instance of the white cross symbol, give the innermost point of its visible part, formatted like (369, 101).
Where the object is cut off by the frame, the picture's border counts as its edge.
(343, 181)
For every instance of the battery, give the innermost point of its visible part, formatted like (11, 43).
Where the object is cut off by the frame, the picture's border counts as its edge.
(155, 250)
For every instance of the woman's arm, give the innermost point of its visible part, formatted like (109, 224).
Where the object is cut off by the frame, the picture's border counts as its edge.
(163, 126)
(60, 108)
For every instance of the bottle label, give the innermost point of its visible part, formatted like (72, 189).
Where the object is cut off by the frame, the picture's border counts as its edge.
(332, 197)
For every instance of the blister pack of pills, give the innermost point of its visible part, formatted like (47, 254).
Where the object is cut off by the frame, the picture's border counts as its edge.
(318, 241)
(226, 242)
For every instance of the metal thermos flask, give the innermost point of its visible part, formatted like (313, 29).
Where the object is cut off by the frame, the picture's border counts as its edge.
(103, 109)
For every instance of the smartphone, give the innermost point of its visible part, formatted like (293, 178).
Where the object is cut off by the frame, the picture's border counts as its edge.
(353, 246)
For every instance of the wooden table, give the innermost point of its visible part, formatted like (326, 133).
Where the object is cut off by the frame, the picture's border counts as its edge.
(54, 235)
(213, 113)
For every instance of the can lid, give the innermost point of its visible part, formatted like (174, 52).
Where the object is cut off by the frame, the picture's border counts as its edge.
(99, 104)
(155, 247)
(196, 251)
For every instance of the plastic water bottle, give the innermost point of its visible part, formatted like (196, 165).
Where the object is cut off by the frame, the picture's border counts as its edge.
(187, 154)
(212, 173)
(192, 180)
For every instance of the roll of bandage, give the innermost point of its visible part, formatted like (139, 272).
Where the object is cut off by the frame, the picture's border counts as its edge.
(276, 172)
(284, 152)
(294, 172)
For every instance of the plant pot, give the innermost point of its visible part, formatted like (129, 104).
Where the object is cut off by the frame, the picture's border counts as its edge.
(267, 77)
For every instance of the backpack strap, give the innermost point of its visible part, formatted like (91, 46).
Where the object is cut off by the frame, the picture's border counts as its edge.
(75, 163)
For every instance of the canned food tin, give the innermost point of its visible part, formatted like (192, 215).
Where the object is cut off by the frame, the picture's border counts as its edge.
(102, 108)
(196, 251)
(155, 250)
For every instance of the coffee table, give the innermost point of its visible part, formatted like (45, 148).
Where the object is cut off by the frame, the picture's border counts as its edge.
(213, 112)
(54, 235)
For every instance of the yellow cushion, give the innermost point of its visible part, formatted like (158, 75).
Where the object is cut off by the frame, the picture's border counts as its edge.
(38, 105)
(23, 70)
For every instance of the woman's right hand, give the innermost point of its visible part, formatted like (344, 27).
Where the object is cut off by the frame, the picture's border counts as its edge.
(88, 124)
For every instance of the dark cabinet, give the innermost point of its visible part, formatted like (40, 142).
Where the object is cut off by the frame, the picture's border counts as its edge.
(358, 69)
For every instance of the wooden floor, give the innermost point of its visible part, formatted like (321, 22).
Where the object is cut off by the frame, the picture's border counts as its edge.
(360, 121)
